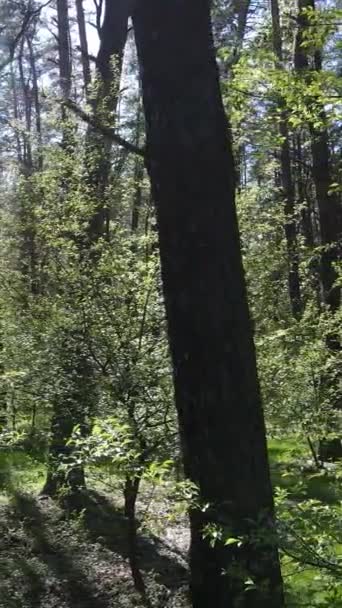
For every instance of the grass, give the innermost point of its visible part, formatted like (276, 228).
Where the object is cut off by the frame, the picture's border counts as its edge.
(314, 509)
(19, 471)
(286, 461)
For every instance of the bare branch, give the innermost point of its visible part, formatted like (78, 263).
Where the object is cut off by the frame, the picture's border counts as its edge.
(28, 16)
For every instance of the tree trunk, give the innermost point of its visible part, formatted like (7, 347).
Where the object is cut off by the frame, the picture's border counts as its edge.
(82, 32)
(3, 391)
(287, 180)
(64, 51)
(217, 395)
(35, 91)
(25, 91)
(71, 406)
(16, 116)
(241, 8)
(60, 455)
(130, 494)
(138, 176)
(74, 404)
(303, 198)
(330, 209)
(65, 70)
(28, 259)
(307, 219)
(113, 35)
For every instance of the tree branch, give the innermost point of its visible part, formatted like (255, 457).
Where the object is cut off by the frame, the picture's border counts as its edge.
(14, 43)
(106, 131)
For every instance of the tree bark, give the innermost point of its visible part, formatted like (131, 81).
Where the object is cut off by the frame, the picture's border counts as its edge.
(217, 395)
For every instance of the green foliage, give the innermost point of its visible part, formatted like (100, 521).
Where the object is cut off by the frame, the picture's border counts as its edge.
(82, 321)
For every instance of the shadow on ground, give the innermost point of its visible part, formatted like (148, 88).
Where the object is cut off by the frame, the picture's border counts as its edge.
(77, 585)
(108, 525)
(54, 564)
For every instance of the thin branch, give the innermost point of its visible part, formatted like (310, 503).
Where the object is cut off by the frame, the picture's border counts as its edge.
(313, 562)
(87, 55)
(29, 15)
(108, 132)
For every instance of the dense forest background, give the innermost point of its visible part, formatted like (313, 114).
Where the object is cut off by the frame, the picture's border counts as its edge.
(93, 493)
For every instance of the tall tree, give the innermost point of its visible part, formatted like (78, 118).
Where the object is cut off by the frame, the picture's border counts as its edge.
(27, 104)
(64, 50)
(329, 207)
(307, 63)
(217, 395)
(287, 181)
(113, 35)
(69, 407)
(82, 32)
(78, 403)
(36, 99)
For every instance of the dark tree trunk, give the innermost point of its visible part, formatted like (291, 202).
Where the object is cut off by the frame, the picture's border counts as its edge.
(330, 214)
(82, 32)
(65, 72)
(130, 494)
(27, 102)
(35, 92)
(330, 209)
(28, 261)
(290, 220)
(307, 222)
(216, 388)
(64, 51)
(303, 197)
(113, 35)
(241, 8)
(73, 406)
(61, 454)
(16, 116)
(329, 206)
(138, 176)
(3, 393)
(287, 181)
(137, 198)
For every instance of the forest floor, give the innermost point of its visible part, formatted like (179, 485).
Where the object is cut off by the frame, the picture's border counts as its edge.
(51, 559)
